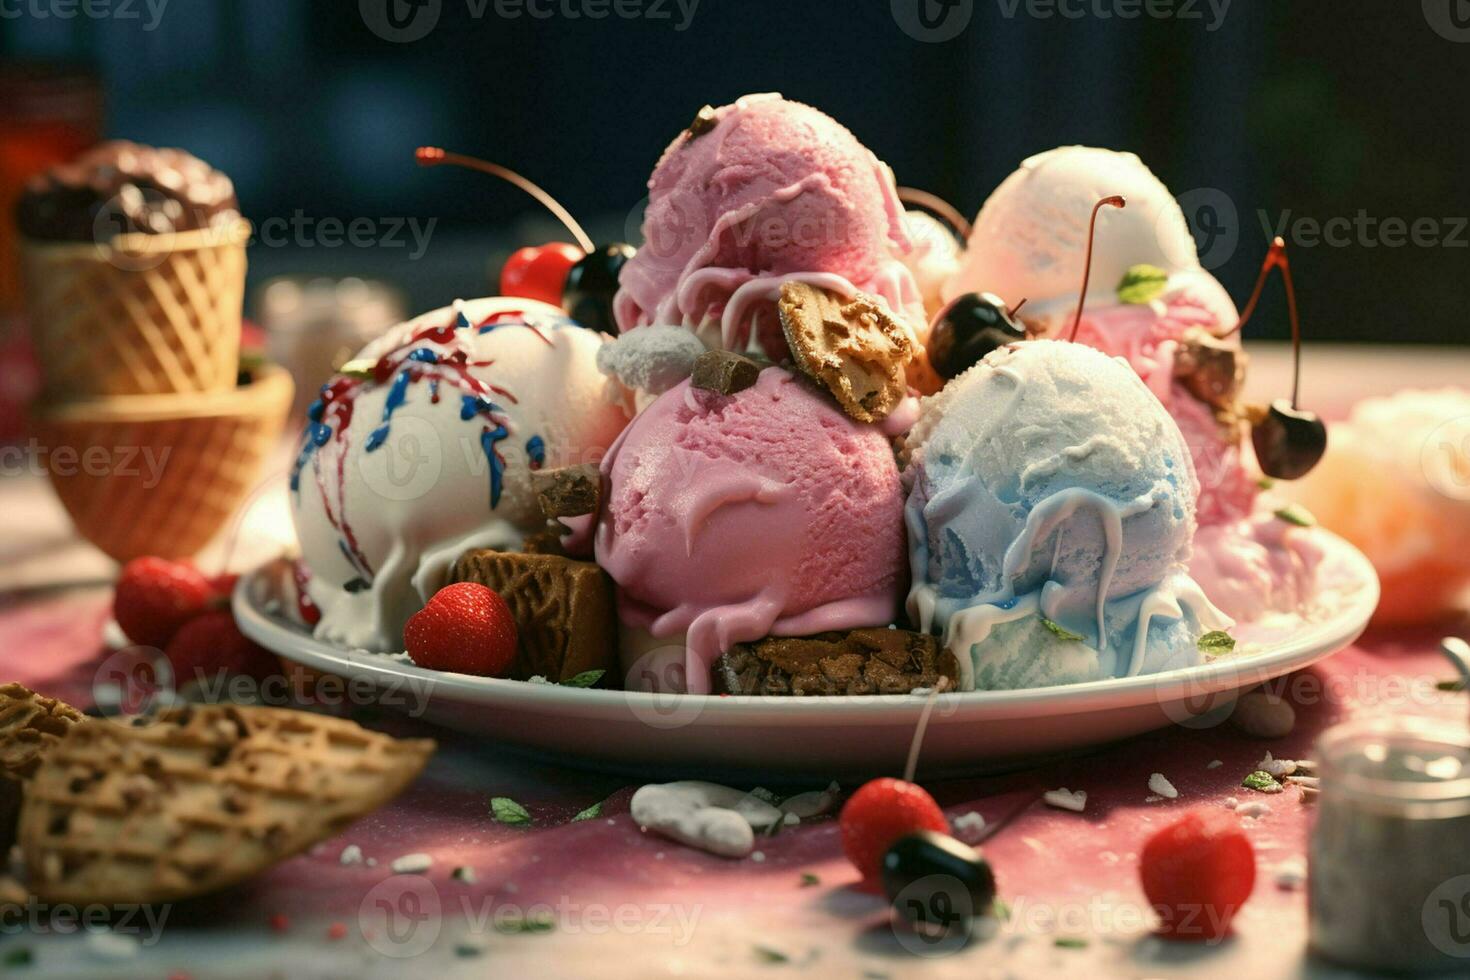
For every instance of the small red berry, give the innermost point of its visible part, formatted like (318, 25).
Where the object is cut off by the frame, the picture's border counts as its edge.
(279, 922)
(223, 585)
(210, 644)
(1197, 873)
(337, 931)
(156, 596)
(881, 812)
(539, 272)
(465, 628)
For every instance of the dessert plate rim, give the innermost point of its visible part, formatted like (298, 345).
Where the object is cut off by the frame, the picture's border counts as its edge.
(1353, 582)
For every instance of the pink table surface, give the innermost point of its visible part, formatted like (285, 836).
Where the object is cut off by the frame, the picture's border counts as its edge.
(685, 912)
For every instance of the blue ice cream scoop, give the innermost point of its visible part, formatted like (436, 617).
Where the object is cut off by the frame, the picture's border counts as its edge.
(1050, 513)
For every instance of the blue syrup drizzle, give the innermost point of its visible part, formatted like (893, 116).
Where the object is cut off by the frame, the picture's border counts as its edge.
(536, 452)
(471, 406)
(396, 395)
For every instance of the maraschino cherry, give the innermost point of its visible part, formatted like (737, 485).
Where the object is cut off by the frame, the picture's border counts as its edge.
(967, 329)
(1288, 440)
(581, 279)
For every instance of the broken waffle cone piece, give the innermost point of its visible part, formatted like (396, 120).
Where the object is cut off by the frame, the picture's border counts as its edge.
(563, 608)
(30, 725)
(568, 491)
(853, 347)
(1212, 370)
(857, 662)
(198, 798)
(724, 372)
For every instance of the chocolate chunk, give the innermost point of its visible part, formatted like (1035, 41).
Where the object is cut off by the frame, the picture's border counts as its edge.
(568, 491)
(704, 121)
(724, 371)
(851, 346)
(563, 610)
(1212, 370)
(857, 662)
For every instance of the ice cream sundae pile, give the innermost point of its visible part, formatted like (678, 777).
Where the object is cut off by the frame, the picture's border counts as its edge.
(719, 463)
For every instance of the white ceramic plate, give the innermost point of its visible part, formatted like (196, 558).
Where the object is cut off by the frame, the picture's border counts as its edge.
(832, 737)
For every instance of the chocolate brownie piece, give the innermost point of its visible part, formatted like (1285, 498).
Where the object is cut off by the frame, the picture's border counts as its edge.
(863, 661)
(563, 610)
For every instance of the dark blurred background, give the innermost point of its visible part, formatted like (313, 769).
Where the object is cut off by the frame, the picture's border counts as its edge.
(1352, 112)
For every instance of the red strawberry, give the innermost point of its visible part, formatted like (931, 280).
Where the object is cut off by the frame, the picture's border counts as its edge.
(223, 586)
(210, 644)
(156, 596)
(881, 812)
(465, 628)
(1197, 873)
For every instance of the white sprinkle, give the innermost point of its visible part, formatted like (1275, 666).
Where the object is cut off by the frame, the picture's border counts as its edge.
(970, 824)
(1162, 786)
(757, 856)
(790, 820)
(1065, 799)
(110, 946)
(658, 856)
(1231, 803)
(371, 862)
(1276, 767)
(1253, 810)
(351, 854)
(1305, 782)
(1152, 798)
(1214, 764)
(1291, 874)
(412, 864)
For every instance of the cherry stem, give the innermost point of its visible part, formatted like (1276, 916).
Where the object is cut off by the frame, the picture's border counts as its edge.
(1017, 308)
(433, 156)
(937, 204)
(1276, 259)
(1115, 201)
(912, 764)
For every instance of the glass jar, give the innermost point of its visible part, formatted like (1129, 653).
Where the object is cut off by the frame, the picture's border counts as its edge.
(1390, 853)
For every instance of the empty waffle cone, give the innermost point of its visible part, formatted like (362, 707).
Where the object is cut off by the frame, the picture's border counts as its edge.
(161, 474)
(138, 315)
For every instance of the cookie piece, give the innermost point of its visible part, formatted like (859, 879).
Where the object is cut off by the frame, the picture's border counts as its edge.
(862, 661)
(568, 491)
(564, 610)
(198, 799)
(853, 347)
(1213, 371)
(724, 372)
(29, 726)
(10, 798)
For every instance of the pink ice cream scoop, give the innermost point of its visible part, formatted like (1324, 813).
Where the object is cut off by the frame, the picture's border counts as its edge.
(1148, 336)
(730, 518)
(753, 194)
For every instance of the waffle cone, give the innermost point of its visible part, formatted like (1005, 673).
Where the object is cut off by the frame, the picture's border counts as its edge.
(139, 315)
(30, 726)
(161, 474)
(198, 799)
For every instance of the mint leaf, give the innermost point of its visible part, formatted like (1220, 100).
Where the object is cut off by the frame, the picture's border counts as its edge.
(513, 925)
(1261, 780)
(591, 813)
(19, 956)
(585, 679)
(769, 955)
(1142, 284)
(508, 811)
(1070, 942)
(1001, 909)
(1454, 686)
(1265, 482)
(1061, 631)
(1298, 515)
(808, 880)
(1216, 642)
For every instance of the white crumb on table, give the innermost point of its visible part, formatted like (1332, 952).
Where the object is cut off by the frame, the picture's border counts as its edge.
(970, 824)
(1065, 799)
(351, 854)
(1160, 785)
(410, 864)
(1253, 810)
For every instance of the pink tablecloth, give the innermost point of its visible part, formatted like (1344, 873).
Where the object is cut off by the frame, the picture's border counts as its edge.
(629, 904)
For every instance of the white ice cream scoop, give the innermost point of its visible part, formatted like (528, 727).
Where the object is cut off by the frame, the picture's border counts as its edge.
(426, 450)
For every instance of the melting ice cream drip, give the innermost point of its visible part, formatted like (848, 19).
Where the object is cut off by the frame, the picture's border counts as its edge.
(416, 360)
